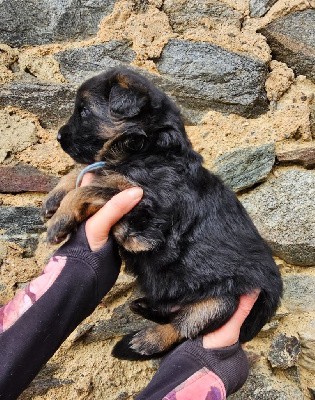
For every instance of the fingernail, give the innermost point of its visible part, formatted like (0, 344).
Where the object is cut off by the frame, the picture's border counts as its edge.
(135, 193)
(255, 293)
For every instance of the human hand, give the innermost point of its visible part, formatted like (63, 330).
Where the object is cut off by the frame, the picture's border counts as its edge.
(229, 333)
(98, 226)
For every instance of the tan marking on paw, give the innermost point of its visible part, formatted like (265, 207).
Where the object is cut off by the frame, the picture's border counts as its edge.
(154, 340)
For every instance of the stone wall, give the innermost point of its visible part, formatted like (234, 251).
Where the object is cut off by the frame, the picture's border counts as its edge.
(243, 73)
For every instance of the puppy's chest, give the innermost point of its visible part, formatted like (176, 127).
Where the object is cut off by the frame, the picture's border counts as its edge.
(155, 279)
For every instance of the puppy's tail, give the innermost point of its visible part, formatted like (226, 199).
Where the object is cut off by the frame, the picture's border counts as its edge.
(261, 313)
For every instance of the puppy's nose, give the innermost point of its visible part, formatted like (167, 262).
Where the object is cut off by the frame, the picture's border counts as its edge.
(59, 136)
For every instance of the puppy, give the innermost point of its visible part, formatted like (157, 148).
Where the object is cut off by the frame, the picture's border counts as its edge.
(189, 242)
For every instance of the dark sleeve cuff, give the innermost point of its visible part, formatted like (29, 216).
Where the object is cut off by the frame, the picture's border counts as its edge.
(105, 262)
(230, 363)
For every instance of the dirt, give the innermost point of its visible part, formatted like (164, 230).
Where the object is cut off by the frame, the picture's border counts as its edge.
(7, 57)
(48, 157)
(97, 375)
(16, 134)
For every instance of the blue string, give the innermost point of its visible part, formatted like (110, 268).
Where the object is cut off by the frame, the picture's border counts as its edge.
(89, 168)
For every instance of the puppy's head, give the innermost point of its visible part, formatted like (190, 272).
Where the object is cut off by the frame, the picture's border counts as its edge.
(121, 111)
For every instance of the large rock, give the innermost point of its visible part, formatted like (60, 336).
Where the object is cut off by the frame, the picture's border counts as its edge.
(202, 76)
(21, 225)
(39, 22)
(260, 385)
(77, 65)
(299, 293)
(284, 351)
(25, 178)
(191, 13)
(307, 335)
(52, 103)
(197, 75)
(292, 40)
(304, 156)
(242, 168)
(258, 8)
(283, 211)
(122, 322)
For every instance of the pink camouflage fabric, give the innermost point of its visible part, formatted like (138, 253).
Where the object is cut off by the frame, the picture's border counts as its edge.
(202, 385)
(26, 297)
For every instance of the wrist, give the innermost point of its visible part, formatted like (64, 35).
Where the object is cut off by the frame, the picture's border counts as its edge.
(216, 340)
(229, 363)
(104, 262)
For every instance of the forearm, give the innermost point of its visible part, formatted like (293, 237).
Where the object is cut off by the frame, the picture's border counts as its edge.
(72, 285)
(192, 372)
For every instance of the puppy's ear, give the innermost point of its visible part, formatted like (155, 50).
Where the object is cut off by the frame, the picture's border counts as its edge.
(129, 142)
(126, 102)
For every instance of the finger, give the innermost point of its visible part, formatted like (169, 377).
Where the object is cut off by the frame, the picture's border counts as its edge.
(99, 225)
(246, 303)
(228, 334)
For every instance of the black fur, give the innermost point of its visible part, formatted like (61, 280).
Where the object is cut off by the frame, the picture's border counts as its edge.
(203, 243)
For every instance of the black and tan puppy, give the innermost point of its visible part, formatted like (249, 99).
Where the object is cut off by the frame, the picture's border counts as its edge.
(189, 242)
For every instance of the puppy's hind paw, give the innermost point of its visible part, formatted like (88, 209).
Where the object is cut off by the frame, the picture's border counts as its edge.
(142, 307)
(126, 350)
(60, 229)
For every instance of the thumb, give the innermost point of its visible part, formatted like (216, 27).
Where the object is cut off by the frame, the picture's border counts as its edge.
(99, 225)
(246, 303)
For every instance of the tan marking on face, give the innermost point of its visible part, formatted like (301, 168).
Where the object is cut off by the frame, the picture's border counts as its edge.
(108, 132)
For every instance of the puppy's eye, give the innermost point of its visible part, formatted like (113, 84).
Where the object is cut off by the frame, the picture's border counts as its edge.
(85, 112)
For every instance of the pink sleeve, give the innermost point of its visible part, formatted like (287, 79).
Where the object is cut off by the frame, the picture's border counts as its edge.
(26, 297)
(202, 385)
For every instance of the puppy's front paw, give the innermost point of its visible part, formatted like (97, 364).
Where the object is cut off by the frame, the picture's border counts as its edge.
(59, 227)
(52, 203)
